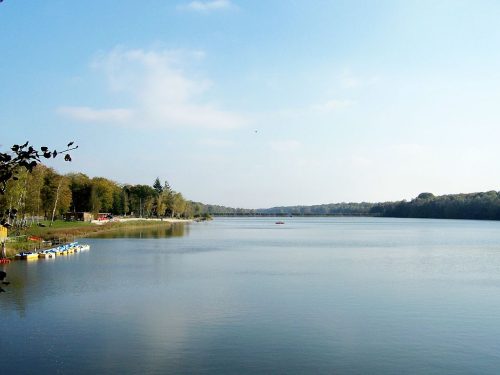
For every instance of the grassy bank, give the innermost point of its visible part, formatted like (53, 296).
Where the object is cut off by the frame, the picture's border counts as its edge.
(65, 231)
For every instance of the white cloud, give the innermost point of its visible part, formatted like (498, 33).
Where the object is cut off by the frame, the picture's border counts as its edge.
(350, 81)
(160, 92)
(332, 105)
(347, 80)
(205, 6)
(86, 114)
(360, 161)
(215, 143)
(286, 145)
(410, 149)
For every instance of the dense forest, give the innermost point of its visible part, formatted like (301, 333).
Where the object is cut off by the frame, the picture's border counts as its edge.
(44, 193)
(476, 206)
(337, 209)
(332, 209)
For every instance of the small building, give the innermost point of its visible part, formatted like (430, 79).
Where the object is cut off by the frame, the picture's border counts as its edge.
(78, 216)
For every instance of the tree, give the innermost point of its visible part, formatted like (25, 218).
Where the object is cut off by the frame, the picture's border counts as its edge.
(141, 199)
(62, 199)
(25, 157)
(34, 187)
(13, 200)
(49, 191)
(157, 186)
(168, 199)
(425, 196)
(81, 187)
(95, 202)
(103, 190)
(125, 203)
(179, 205)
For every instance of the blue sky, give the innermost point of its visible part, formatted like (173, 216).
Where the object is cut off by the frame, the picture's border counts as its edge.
(260, 103)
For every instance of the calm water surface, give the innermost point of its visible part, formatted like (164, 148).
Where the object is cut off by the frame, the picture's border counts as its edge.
(237, 296)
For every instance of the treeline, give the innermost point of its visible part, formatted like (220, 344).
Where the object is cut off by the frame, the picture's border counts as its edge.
(217, 210)
(333, 209)
(48, 194)
(475, 206)
(44, 193)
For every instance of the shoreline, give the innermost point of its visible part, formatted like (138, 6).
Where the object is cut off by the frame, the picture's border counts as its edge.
(132, 219)
(68, 233)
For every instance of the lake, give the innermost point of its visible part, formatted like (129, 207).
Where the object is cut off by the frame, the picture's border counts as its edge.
(248, 296)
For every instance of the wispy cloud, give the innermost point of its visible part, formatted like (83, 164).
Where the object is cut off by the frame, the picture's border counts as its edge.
(87, 114)
(161, 93)
(215, 143)
(410, 149)
(286, 145)
(206, 6)
(348, 80)
(332, 105)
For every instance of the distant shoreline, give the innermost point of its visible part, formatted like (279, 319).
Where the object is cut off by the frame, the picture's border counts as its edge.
(470, 206)
(350, 215)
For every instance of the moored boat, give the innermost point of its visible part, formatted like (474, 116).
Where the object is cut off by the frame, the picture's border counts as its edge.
(59, 250)
(66, 249)
(72, 247)
(27, 255)
(47, 254)
(83, 247)
(80, 248)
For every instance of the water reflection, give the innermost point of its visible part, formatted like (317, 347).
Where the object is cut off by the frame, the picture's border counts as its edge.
(32, 281)
(160, 231)
(15, 299)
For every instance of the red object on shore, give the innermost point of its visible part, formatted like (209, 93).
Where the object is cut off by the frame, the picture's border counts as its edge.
(34, 238)
(4, 261)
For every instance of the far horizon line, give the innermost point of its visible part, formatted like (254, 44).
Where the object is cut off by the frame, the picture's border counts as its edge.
(344, 202)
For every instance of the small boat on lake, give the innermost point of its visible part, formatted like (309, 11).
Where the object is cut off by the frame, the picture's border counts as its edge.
(26, 255)
(46, 254)
(66, 249)
(62, 251)
(280, 222)
(80, 248)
